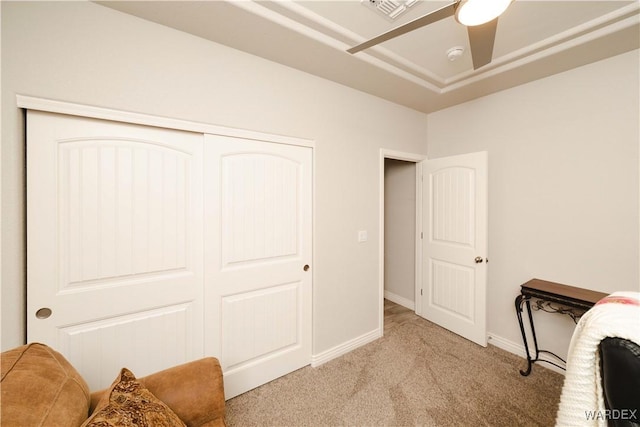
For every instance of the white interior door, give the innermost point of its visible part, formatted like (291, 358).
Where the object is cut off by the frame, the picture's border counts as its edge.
(257, 242)
(114, 244)
(454, 270)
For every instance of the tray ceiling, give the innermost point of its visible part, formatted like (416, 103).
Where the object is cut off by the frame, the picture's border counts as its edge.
(534, 39)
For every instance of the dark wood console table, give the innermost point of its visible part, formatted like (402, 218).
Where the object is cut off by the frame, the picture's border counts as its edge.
(554, 298)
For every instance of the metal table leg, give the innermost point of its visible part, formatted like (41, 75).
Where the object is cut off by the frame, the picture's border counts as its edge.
(520, 300)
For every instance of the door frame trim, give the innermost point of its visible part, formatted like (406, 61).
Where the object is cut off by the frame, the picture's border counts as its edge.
(407, 157)
(93, 112)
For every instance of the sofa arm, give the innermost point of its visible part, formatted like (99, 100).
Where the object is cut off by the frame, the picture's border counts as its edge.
(194, 391)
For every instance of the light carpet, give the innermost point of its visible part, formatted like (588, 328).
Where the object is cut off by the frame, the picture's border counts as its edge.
(418, 374)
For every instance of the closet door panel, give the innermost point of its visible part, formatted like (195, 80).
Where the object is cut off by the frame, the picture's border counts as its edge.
(258, 240)
(114, 241)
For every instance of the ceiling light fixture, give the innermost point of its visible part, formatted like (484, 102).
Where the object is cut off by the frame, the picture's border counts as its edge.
(478, 12)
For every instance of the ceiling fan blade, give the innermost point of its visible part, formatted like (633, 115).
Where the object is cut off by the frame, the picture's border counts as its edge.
(481, 39)
(431, 17)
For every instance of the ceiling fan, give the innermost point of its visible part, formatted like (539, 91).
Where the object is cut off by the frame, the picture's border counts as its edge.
(479, 16)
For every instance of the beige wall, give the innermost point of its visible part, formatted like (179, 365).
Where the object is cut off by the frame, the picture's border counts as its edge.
(563, 185)
(85, 53)
(563, 155)
(400, 228)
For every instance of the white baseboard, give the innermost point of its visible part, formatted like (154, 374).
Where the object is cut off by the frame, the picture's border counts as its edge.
(518, 350)
(507, 345)
(405, 302)
(344, 348)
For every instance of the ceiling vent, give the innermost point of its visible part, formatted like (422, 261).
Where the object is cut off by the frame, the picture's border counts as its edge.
(390, 9)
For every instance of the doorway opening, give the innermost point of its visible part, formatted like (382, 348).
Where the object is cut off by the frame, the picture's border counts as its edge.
(449, 262)
(400, 232)
(400, 206)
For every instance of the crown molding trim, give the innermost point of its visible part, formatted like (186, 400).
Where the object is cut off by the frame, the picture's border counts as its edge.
(325, 31)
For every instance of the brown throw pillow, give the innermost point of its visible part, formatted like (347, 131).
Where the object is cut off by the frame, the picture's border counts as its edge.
(128, 403)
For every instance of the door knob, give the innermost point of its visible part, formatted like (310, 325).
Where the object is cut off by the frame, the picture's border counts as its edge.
(478, 259)
(306, 267)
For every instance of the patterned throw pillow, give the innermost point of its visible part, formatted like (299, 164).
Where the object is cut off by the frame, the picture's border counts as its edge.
(128, 403)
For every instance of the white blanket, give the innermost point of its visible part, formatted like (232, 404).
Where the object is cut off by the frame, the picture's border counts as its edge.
(582, 399)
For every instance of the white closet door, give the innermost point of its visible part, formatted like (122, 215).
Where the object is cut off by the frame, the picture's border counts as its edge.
(257, 242)
(114, 244)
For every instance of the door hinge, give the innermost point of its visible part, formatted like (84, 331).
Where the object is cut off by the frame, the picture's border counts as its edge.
(421, 235)
(420, 292)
